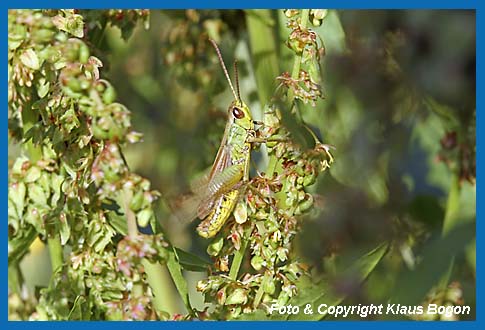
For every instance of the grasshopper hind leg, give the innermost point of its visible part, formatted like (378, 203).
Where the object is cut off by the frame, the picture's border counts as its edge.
(213, 223)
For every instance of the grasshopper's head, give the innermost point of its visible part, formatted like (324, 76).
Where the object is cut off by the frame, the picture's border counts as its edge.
(239, 112)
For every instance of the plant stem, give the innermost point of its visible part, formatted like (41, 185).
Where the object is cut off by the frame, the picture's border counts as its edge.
(273, 161)
(175, 270)
(264, 51)
(451, 219)
(453, 204)
(159, 280)
(260, 292)
(55, 252)
(239, 256)
(29, 118)
(127, 195)
(295, 73)
(14, 278)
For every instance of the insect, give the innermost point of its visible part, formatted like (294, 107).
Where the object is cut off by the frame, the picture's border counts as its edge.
(230, 170)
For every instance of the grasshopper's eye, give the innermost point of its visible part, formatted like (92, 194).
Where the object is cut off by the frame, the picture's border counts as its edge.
(238, 113)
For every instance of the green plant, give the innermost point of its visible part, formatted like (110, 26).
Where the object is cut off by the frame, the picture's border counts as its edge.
(70, 185)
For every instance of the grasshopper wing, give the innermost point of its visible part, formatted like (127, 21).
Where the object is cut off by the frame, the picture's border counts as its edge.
(205, 193)
(184, 208)
(221, 183)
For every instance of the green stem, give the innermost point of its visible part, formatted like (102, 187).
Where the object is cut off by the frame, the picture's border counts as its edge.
(14, 278)
(175, 270)
(273, 161)
(453, 204)
(260, 292)
(239, 256)
(295, 73)
(159, 281)
(451, 219)
(99, 34)
(29, 119)
(127, 195)
(264, 51)
(55, 252)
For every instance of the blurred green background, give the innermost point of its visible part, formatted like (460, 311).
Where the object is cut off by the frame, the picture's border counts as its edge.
(399, 108)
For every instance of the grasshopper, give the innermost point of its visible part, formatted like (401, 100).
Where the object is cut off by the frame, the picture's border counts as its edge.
(230, 169)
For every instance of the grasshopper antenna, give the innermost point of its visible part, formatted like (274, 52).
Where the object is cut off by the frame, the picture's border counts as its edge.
(237, 81)
(224, 68)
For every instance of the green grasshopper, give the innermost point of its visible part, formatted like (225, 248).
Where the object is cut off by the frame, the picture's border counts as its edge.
(230, 170)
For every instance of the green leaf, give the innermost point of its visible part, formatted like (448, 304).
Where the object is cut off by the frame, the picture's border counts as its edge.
(126, 31)
(264, 51)
(215, 247)
(237, 297)
(175, 270)
(322, 292)
(118, 222)
(104, 240)
(298, 132)
(425, 135)
(332, 33)
(16, 194)
(77, 311)
(19, 164)
(13, 217)
(29, 59)
(319, 293)
(16, 35)
(72, 23)
(413, 285)
(143, 217)
(191, 261)
(19, 245)
(65, 230)
(447, 114)
(32, 175)
(471, 255)
(426, 209)
(42, 87)
(37, 195)
(70, 120)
